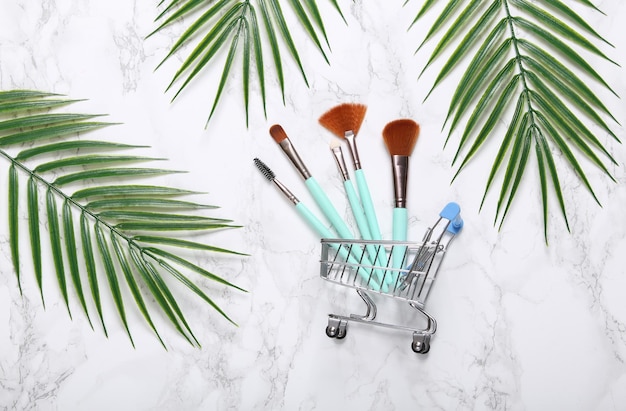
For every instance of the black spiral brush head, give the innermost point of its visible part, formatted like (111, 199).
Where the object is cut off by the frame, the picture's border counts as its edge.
(264, 169)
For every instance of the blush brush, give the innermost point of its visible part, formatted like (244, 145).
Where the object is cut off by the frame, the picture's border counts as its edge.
(400, 137)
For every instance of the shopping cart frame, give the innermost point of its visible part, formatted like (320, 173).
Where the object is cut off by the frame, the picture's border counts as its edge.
(341, 263)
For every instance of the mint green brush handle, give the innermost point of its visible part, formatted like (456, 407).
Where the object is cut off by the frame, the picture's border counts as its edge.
(333, 216)
(361, 222)
(324, 232)
(313, 221)
(327, 208)
(370, 214)
(368, 205)
(357, 210)
(400, 221)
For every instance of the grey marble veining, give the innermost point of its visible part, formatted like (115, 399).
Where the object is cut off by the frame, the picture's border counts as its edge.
(522, 326)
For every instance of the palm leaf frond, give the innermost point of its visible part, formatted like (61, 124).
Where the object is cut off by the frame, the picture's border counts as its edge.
(232, 26)
(517, 67)
(98, 233)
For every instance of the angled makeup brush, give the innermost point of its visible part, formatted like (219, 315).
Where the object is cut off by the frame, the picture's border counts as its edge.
(345, 121)
(313, 221)
(320, 197)
(400, 137)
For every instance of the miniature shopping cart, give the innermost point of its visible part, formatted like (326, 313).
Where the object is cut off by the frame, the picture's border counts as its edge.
(368, 267)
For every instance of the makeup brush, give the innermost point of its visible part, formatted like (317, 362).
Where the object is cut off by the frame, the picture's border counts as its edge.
(400, 137)
(353, 200)
(345, 121)
(320, 197)
(304, 212)
(313, 221)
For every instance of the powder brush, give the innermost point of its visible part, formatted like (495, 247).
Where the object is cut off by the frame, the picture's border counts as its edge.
(400, 137)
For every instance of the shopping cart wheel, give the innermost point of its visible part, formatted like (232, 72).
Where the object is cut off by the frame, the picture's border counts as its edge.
(331, 331)
(421, 343)
(341, 332)
(336, 328)
(420, 348)
(334, 332)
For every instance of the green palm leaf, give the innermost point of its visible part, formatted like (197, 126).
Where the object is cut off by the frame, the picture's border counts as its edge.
(13, 221)
(55, 244)
(518, 47)
(111, 276)
(72, 256)
(33, 226)
(84, 145)
(232, 25)
(128, 191)
(132, 283)
(90, 265)
(142, 202)
(97, 232)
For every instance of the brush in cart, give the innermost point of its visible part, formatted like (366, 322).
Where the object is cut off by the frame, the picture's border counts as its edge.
(345, 121)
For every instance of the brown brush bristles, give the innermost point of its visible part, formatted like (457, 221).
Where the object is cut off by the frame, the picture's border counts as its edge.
(400, 136)
(277, 133)
(344, 117)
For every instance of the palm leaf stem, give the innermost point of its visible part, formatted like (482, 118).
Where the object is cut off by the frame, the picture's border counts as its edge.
(132, 242)
(536, 125)
(532, 123)
(61, 194)
(520, 65)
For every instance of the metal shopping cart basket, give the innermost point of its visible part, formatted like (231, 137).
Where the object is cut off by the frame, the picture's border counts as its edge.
(368, 267)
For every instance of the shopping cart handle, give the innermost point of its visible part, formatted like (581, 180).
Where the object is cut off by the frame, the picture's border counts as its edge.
(452, 212)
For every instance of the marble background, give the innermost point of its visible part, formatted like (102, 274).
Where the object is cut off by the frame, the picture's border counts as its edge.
(521, 325)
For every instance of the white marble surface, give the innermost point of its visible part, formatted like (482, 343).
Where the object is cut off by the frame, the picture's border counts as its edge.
(521, 325)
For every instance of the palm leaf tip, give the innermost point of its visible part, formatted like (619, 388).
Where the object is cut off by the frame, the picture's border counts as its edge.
(548, 92)
(100, 245)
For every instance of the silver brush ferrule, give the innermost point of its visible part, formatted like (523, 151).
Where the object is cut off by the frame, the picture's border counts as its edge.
(400, 166)
(350, 138)
(291, 152)
(341, 163)
(286, 192)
